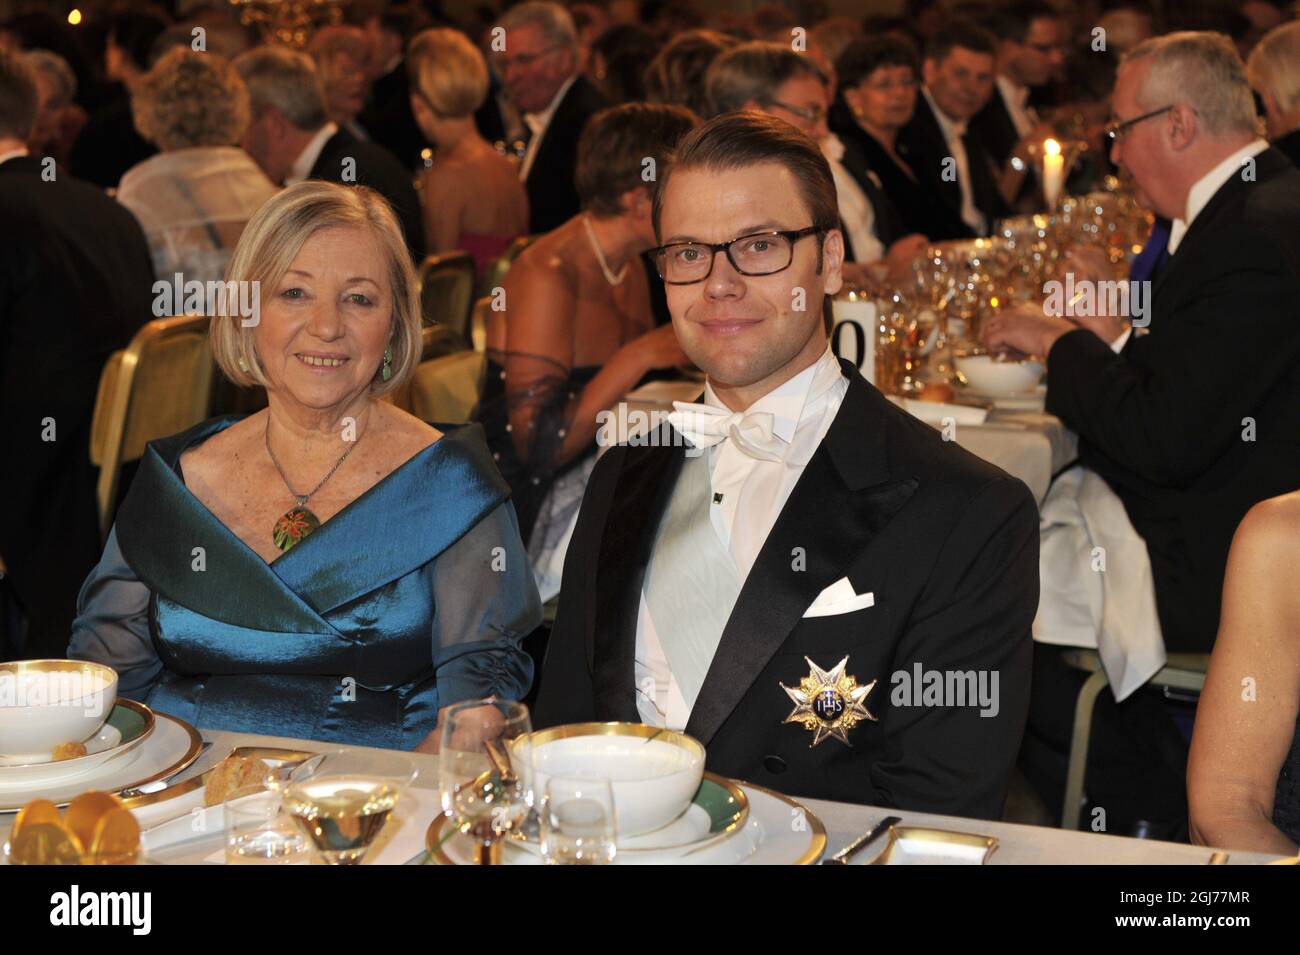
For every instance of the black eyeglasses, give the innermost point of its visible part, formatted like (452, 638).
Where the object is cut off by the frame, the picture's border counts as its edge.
(1116, 130)
(810, 113)
(759, 253)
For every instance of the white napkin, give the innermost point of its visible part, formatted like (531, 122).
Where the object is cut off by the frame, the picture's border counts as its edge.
(1113, 610)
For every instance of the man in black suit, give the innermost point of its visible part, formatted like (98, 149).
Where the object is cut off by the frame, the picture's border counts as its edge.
(1196, 421)
(75, 284)
(387, 114)
(1030, 52)
(937, 144)
(291, 138)
(539, 69)
(783, 569)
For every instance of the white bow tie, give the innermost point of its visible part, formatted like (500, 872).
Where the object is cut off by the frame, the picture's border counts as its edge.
(750, 431)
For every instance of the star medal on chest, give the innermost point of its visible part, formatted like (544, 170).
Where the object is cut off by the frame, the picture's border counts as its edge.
(299, 522)
(828, 703)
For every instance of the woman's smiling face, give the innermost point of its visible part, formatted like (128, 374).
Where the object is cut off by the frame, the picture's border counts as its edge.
(324, 327)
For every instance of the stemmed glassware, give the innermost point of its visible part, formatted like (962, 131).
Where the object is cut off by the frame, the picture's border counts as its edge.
(342, 798)
(485, 775)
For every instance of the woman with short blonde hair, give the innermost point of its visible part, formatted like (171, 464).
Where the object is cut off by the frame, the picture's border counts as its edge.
(330, 567)
(195, 196)
(272, 241)
(470, 194)
(1274, 72)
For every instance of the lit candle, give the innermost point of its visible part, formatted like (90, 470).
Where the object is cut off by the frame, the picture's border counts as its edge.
(1053, 172)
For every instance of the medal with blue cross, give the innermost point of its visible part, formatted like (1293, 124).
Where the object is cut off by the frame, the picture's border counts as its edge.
(828, 702)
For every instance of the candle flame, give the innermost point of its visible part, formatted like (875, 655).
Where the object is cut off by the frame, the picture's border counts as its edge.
(1051, 147)
(74, 17)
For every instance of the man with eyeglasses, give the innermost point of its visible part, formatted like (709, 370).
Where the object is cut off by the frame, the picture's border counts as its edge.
(1030, 52)
(1197, 420)
(773, 79)
(774, 568)
(539, 71)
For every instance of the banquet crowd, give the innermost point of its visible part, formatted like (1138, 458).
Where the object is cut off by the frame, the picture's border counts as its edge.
(651, 190)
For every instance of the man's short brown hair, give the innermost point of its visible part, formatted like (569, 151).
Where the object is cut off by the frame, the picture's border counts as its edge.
(18, 97)
(747, 138)
(614, 147)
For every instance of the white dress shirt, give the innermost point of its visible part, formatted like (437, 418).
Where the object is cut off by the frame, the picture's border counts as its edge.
(856, 212)
(301, 168)
(538, 124)
(953, 132)
(1198, 197)
(753, 494)
(1203, 189)
(1016, 100)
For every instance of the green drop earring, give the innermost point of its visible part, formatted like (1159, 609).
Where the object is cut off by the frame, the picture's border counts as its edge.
(387, 373)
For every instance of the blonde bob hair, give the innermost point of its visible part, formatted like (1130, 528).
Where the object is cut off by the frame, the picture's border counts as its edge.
(271, 241)
(448, 71)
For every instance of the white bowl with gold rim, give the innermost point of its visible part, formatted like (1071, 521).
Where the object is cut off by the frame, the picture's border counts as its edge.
(653, 773)
(47, 703)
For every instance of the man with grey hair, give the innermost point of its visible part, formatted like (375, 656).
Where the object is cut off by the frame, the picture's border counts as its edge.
(1192, 415)
(535, 52)
(291, 138)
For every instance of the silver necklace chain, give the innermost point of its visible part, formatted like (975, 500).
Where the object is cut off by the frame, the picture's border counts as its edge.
(303, 498)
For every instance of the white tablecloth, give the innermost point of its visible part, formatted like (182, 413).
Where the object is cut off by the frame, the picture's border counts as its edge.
(1017, 844)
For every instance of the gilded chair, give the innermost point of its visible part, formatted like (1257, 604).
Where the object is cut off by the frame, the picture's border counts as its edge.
(447, 290)
(496, 271)
(1182, 671)
(161, 383)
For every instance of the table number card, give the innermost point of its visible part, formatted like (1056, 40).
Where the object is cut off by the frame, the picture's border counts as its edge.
(854, 330)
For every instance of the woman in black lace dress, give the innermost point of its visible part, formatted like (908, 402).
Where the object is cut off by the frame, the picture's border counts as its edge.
(575, 330)
(1243, 776)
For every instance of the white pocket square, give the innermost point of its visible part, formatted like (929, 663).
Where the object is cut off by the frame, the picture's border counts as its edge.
(839, 598)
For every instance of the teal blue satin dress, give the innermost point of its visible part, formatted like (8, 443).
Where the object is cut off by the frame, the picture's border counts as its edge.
(415, 596)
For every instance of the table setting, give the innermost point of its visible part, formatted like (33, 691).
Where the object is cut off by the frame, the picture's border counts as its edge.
(498, 792)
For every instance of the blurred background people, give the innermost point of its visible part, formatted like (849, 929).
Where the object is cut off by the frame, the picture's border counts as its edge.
(194, 198)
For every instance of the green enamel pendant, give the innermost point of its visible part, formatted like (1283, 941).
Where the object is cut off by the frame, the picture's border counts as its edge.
(293, 526)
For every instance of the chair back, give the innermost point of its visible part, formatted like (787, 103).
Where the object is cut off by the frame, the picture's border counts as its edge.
(496, 271)
(447, 389)
(161, 383)
(447, 290)
(478, 323)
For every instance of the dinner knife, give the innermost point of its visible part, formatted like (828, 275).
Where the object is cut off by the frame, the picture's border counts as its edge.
(853, 848)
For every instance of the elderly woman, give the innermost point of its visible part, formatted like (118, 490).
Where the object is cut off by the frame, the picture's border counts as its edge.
(330, 568)
(1274, 73)
(471, 195)
(194, 198)
(879, 78)
(577, 331)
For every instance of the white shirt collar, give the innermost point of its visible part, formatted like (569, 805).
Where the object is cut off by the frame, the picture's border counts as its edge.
(538, 122)
(13, 154)
(791, 402)
(1012, 92)
(301, 168)
(951, 128)
(1203, 189)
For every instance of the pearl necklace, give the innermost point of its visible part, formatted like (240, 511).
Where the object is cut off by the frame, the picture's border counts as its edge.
(610, 277)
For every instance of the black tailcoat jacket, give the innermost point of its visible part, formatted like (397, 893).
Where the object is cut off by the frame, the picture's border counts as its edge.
(948, 545)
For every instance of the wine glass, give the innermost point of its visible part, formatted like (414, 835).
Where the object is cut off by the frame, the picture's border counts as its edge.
(485, 779)
(342, 798)
(578, 825)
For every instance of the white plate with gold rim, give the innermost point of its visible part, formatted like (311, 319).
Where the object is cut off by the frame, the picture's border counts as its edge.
(778, 831)
(128, 725)
(172, 746)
